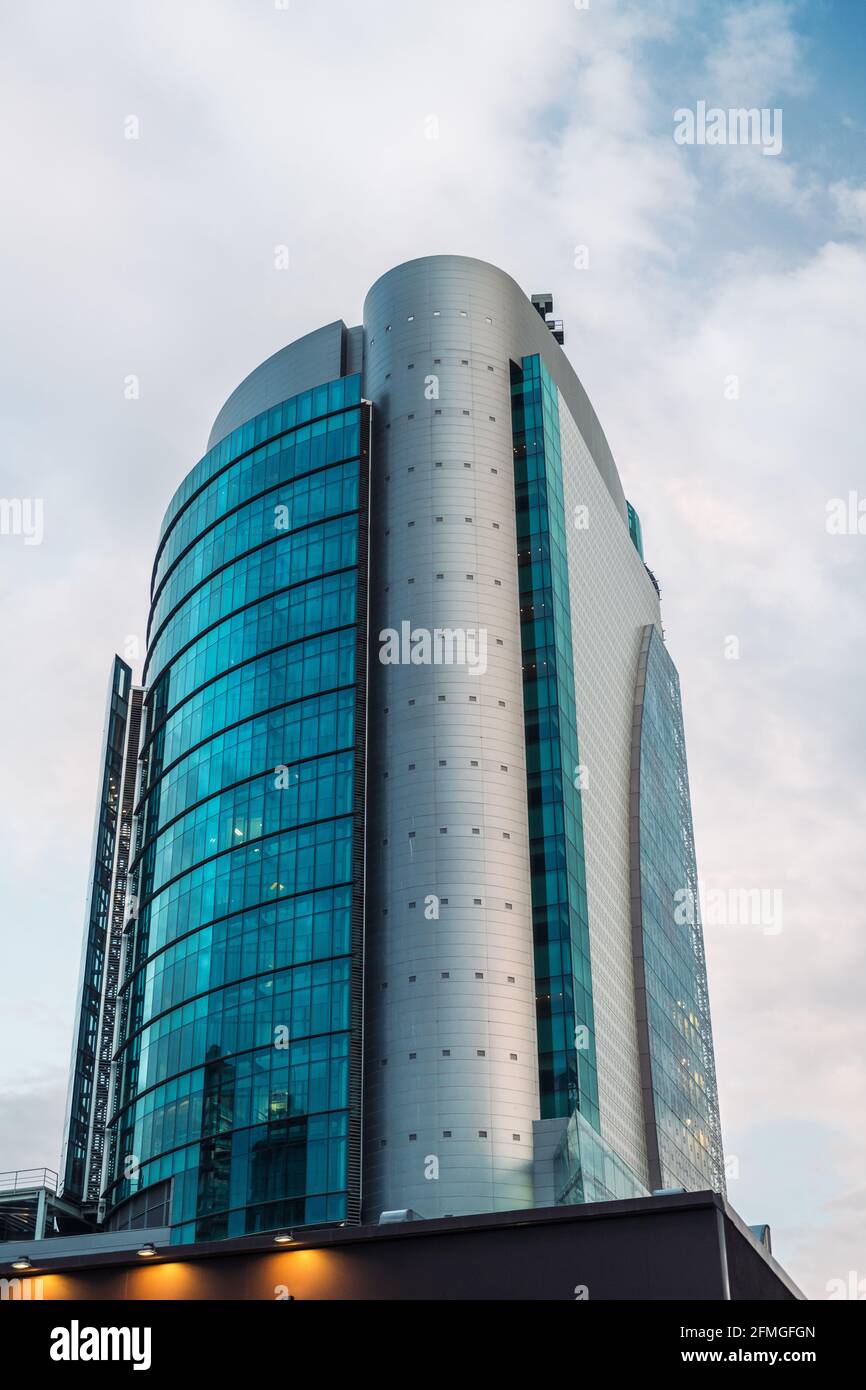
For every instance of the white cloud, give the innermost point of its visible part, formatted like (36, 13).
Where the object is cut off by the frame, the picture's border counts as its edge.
(759, 56)
(850, 200)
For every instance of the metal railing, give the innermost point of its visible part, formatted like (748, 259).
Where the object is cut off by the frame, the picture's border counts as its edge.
(24, 1179)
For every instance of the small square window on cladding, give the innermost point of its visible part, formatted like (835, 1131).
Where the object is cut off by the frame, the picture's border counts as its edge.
(446, 1134)
(479, 974)
(446, 1052)
(482, 1134)
(413, 1056)
(473, 699)
(410, 367)
(516, 1138)
(446, 974)
(442, 699)
(477, 902)
(511, 980)
(476, 830)
(412, 1138)
(480, 1052)
(514, 1056)
(443, 830)
(510, 907)
(443, 762)
(443, 902)
(413, 979)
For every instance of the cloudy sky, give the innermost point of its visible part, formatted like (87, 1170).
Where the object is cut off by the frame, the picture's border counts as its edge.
(716, 317)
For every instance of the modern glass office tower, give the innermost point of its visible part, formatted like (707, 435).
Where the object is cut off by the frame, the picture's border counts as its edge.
(411, 831)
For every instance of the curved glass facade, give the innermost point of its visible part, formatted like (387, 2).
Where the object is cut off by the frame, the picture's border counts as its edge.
(238, 1074)
(563, 972)
(681, 1105)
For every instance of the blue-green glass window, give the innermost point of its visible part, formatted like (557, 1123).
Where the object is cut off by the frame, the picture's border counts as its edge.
(265, 683)
(566, 1031)
(677, 1022)
(270, 518)
(248, 822)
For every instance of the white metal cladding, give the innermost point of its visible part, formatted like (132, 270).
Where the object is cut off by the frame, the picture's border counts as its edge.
(308, 362)
(451, 1073)
(612, 599)
(450, 1003)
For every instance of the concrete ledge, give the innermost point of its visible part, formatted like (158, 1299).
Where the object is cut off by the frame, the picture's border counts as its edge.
(690, 1247)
